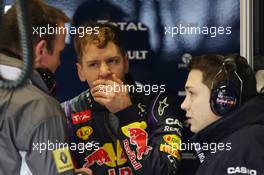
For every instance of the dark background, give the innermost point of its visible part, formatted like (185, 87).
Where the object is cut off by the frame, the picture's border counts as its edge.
(164, 62)
(258, 27)
(258, 6)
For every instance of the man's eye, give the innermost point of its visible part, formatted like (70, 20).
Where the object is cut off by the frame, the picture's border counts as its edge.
(92, 65)
(112, 61)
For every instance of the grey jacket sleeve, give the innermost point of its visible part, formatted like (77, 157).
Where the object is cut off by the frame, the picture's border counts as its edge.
(47, 139)
(44, 137)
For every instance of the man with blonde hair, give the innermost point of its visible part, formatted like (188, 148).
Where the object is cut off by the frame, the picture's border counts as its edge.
(126, 130)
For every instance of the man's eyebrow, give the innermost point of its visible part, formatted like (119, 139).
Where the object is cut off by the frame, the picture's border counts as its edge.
(113, 57)
(91, 61)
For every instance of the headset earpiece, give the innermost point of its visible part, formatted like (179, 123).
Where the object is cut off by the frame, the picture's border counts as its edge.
(225, 98)
(225, 95)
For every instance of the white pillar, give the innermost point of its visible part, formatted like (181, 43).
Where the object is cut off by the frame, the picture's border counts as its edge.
(246, 31)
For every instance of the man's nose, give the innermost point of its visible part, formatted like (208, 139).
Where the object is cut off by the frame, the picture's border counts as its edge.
(184, 104)
(104, 70)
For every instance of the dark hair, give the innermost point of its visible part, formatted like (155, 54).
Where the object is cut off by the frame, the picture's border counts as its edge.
(211, 64)
(40, 15)
(105, 33)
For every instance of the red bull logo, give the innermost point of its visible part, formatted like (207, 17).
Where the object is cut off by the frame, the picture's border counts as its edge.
(131, 155)
(139, 137)
(106, 155)
(102, 157)
(99, 156)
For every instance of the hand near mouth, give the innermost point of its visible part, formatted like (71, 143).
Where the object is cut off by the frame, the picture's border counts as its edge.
(112, 94)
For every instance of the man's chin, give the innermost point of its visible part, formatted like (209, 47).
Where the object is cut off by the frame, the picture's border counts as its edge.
(193, 129)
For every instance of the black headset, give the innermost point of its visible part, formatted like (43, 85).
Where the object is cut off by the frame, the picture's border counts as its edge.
(225, 95)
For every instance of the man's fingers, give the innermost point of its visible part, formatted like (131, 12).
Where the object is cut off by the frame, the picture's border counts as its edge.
(103, 91)
(102, 101)
(101, 94)
(104, 82)
(110, 87)
(117, 80)
(98, 82)
(100, 88)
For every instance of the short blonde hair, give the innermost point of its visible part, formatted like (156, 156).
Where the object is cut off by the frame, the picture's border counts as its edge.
(107, 33)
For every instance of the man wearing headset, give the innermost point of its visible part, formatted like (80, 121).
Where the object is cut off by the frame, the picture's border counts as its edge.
(225, 114)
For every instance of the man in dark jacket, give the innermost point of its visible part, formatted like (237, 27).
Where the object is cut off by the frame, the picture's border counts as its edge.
(32, 122)
(226, 115)
(126, 128)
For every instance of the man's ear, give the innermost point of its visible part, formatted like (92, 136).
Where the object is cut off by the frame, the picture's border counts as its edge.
(80, 72)
(126, 62)
(40, 52)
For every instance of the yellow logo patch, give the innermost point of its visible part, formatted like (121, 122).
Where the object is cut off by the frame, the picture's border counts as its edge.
(84, 132)
(117, 158)
(172, 140)
(62, 158)
(170, 150)
(142, 125)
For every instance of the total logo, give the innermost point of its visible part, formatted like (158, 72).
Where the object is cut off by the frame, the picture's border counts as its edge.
(84, 132)
(126, 26)
(81, 117)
